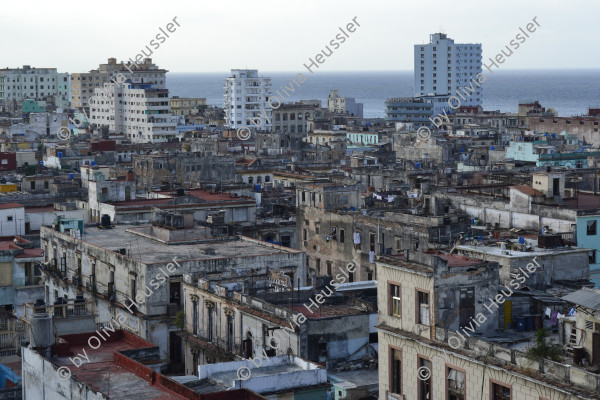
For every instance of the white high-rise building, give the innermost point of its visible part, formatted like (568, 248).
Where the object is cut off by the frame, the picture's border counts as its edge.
(35, 83)
(445, 68)
(247, 99)
(136, 110)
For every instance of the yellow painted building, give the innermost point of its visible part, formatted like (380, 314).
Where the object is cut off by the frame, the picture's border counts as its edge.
(8, 187)
(186, 105)
(417, 362)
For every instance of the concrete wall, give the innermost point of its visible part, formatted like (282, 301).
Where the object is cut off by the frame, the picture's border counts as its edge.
(38, 219)
(491, 210)
(343, 336)
(41, 381)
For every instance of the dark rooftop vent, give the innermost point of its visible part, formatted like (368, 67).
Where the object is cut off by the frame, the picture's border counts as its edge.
(105, 221)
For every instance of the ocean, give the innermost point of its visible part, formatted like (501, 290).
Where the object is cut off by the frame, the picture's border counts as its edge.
(569, 92)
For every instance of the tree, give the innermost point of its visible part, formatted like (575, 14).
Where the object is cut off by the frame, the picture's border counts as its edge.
(543, 348)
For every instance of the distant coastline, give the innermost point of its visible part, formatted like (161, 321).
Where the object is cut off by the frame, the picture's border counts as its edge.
(568, 91)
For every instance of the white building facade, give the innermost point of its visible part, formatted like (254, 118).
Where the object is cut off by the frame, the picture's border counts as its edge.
(443, 68)
(247, 100)
(84, 84)
(344, 105)
(137, 110)
(17, 84)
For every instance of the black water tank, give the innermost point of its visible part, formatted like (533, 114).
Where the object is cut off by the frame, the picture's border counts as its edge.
(180, 192)
(105, 220)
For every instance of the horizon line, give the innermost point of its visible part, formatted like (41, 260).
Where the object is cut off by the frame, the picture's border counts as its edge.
(381, 70)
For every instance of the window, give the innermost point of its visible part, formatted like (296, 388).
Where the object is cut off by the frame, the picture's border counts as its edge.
(499, 391)
(209, 334)
(424, 365)
(317, 228)
(195, 316)
(372, 241)
(422, 307)
(395, 371)
(396, 300)
(230, 332)
(6, 274)
(342, 236)
(318, 265)
(591, 228)
(9, 218)
(592, 257)
(329, 268)
(398, 245)
(456, 384)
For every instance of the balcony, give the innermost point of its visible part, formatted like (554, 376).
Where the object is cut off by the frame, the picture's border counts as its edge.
(69, 318)
(217, 346)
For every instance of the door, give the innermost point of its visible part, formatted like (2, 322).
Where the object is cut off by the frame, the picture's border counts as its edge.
(467, 305)
(556, 187)
(596, 348)
(507, 314)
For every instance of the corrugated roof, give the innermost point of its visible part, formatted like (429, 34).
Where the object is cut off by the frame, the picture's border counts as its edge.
(528, 190)
(586, 297)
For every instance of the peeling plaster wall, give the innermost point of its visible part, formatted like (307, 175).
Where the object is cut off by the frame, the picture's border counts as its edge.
(342, 335)
(522, 387)
(41, 381)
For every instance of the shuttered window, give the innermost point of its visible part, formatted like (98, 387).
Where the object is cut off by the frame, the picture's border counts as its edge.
(6, 274)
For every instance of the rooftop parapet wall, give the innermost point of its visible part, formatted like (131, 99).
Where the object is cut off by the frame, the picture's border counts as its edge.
(551, 370)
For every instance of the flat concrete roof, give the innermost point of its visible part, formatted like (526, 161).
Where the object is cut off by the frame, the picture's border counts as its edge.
(102, 374)
(360, 377)
(495, 250)
(150, 251)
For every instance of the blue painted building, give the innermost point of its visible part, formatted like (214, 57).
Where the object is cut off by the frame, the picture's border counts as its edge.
(588, 236)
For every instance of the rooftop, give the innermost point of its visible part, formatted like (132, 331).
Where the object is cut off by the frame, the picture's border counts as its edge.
(146, 250)
(586, 297)
(494, 248)
(10, 205)
(123, 367)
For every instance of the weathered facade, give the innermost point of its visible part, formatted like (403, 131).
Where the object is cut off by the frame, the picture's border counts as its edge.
(418, 360)
(115, 267)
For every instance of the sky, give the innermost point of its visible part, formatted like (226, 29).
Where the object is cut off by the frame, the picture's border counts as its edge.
(275, 35)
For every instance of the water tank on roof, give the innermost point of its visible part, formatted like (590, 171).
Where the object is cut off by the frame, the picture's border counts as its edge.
(521, 240)
(92, 162)
(71, 176)
(492, 147)
(41, 330)
(105, 220)
(180, 192)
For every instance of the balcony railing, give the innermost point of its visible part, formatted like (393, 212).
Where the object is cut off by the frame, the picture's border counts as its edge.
(67, 310)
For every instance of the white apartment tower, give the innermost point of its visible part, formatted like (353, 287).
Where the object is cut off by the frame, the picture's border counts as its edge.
(247, 99)
(34, 83)
(137, 110)
(443, 68)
